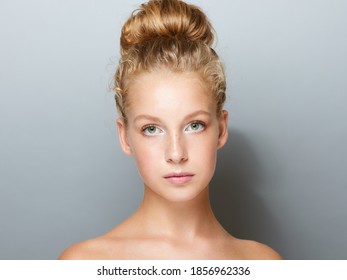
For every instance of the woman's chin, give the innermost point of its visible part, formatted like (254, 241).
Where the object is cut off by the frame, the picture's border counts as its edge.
(181, 194)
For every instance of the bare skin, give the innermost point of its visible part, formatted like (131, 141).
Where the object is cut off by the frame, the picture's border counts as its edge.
(189, 232)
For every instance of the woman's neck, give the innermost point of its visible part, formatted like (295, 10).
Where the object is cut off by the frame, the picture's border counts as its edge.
(186, 220)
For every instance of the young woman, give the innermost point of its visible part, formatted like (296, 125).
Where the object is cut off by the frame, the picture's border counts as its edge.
(170, 90)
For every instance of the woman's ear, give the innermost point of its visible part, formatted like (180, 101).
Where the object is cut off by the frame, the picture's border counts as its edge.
(123, 137)
(223, 129)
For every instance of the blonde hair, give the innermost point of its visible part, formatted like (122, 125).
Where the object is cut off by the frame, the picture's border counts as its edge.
(173, 35)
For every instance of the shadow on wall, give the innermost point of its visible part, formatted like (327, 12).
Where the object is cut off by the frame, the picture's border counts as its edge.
(235, 192)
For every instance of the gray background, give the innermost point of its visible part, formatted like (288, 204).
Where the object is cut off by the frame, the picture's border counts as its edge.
(280, 179)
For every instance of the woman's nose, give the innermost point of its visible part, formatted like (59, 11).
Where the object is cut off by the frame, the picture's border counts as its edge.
(176, 151)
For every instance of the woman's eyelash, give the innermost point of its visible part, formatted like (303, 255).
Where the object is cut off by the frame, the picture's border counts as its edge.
(200, 123)
(155, 129)
(145, 129)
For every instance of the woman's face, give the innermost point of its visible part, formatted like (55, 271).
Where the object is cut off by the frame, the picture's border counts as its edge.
(173, 133)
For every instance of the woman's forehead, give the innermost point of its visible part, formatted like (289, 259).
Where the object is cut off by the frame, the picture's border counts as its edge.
(160, 93)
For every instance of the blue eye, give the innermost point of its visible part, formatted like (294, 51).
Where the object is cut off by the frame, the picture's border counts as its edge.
(151, 130)
(196, 126)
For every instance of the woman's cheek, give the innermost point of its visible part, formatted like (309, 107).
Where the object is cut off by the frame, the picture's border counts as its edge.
(205, 154)
(146, 158)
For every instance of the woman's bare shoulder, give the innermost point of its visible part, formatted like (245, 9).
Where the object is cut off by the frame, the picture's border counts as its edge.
(107, 246)
(82, 251)
(253, 250)
(93, 249)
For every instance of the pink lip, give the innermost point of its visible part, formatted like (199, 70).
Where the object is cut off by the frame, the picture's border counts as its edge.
(179, 178)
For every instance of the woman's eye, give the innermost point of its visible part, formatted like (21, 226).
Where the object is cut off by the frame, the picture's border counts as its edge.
(196, 126)
(151, 130)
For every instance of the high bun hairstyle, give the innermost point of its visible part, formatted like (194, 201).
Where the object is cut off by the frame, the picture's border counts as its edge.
(171, 35)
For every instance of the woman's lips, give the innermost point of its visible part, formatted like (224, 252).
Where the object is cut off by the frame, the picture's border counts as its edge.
(179, 178)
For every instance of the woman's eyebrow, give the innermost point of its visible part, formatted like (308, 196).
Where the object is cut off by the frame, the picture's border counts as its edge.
(146, 117)
(197, 113)
(156, 119)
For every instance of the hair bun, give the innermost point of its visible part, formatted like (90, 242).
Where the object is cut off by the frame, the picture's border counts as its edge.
(166, 18)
